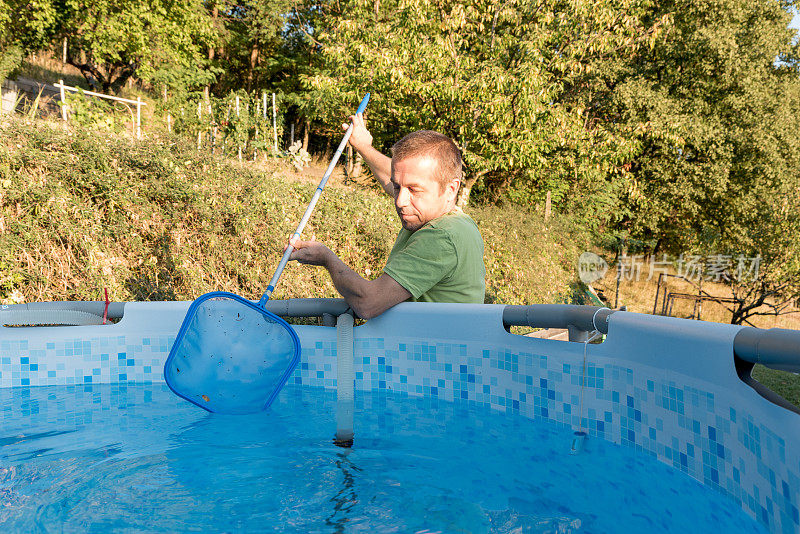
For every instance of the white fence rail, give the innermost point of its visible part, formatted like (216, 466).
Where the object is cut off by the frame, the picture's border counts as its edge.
(125, 101)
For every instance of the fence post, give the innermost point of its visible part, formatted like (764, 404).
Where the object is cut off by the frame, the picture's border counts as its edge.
(275, 122)
(138, 117)
(169, 123)
(63, 100)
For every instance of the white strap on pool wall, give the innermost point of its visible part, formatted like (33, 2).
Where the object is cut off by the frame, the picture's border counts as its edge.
(345, 378)
(37, 317)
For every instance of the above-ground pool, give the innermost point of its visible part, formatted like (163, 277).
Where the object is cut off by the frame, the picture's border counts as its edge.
(459, 426)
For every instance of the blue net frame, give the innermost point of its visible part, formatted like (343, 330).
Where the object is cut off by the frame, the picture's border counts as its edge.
(231, 355)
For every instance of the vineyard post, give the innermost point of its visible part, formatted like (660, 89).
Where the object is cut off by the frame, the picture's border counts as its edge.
(238, 125)
(63, 100)
(138, 117)
(275, 122)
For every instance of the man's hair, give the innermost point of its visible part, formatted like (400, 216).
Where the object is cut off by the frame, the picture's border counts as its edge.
(439, 147)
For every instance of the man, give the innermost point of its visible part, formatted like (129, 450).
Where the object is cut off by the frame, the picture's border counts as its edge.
(438, 255)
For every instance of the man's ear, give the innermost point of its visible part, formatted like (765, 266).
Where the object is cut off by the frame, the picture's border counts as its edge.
(452, 188)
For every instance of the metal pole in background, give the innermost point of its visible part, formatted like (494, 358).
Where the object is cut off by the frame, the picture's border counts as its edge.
(275, 122)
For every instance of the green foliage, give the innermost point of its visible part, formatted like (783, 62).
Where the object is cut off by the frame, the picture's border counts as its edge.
(500, 78)
(93, 113)
(157, 41)
(718, 156)
(237, 118)
(24, 26)
(10, 61)
(28, 24)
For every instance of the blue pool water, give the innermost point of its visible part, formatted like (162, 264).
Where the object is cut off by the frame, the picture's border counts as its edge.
(116, 457)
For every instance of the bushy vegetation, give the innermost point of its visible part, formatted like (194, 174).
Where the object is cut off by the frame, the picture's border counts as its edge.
(672, 123)
(159, 220)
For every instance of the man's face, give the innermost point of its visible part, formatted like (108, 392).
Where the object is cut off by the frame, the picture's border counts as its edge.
(418, 197)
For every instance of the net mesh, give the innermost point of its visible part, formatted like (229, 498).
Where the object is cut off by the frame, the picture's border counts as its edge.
(231, 356)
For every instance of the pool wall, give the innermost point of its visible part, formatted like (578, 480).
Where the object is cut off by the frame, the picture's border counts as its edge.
(665, 386)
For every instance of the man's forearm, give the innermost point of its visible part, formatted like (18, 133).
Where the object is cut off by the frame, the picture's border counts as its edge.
(368, 298)
(347, 282)
(381, 167)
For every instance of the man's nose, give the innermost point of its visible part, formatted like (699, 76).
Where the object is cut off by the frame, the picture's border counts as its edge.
(402, 197)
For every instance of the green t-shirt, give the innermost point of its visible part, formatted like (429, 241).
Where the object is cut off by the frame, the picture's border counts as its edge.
(440, 262)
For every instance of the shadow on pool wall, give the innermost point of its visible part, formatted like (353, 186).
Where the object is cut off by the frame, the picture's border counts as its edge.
(667, 387)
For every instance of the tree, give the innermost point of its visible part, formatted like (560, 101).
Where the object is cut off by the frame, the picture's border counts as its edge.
(158, 41)
(498, 77)
(24, 26)
(715, 106)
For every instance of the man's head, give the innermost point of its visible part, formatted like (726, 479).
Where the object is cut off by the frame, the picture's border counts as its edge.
(426, 174)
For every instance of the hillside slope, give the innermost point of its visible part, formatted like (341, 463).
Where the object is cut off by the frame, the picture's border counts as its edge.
(158, 220)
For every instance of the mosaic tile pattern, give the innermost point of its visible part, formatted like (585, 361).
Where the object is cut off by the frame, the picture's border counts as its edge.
(696, 431)
(75, 361)
(705, 434)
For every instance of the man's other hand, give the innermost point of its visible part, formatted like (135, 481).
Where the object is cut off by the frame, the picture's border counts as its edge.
(310, 252)
(360, 139)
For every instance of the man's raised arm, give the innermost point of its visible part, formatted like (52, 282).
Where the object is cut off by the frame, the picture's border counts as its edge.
(379, 164)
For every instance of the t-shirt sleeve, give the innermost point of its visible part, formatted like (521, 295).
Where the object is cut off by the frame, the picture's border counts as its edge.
(428, 257)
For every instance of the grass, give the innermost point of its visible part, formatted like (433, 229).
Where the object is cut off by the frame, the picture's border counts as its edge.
(787, 385)
(159, 220)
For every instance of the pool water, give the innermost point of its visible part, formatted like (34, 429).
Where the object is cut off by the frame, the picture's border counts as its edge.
(122, 457)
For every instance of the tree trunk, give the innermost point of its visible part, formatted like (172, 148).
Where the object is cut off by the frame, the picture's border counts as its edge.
(306, 129)
(358, 166)
(253, 63)
(466, 186)
(348, 166)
